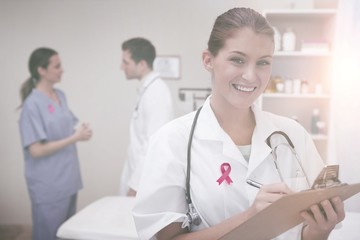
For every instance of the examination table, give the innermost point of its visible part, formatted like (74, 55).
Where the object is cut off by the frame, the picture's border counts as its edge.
(110, 218)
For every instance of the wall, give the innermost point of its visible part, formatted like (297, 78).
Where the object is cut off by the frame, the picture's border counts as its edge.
(88, 35)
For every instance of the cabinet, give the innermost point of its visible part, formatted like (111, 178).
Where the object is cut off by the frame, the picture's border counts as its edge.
(301, 79)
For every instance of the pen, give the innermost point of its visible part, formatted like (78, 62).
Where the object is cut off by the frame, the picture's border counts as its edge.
(253, 183)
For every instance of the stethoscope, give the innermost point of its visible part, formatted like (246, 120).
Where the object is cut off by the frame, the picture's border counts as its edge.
(288, 144)
(143, 92)
(193, 217)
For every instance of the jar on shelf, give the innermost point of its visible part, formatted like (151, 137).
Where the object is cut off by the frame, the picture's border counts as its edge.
(279, 84)
(270, 88)
(289, 40)
(304, 87)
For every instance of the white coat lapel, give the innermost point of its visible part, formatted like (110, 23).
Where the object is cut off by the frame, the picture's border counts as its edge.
(230, 150)
(211, 130)
(259, 149)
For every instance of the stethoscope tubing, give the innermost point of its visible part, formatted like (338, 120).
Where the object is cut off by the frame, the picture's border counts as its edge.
(143, 92)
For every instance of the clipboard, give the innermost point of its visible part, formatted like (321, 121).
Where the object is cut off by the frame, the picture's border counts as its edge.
(284, 213)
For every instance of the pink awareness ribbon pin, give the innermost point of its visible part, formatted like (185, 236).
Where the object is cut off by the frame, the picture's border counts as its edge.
(51, 108)
(225, 173)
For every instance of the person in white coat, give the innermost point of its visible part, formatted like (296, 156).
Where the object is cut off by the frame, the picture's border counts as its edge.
(153, 108)
(228, 145)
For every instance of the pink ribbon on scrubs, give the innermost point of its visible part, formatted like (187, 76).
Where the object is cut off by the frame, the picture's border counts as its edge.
(225, 171)
(51, 108)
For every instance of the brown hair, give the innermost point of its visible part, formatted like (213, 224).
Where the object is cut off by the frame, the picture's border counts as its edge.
(140, 49)
(227, 23)
(39, 58)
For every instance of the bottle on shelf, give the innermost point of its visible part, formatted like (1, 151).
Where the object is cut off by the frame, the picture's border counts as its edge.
(277, 39)
(315, 118)
(296, 86)
(288, 40)
(288, 86)
(321, 127)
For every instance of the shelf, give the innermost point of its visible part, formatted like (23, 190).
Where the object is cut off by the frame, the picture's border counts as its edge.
(299, 12)
(288, 95)
(301, 54)
(312, 61)
(319, 137)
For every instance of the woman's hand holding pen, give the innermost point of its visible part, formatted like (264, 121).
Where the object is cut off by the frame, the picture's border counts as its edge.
(83, 132)
(321, 219)
(269, 194)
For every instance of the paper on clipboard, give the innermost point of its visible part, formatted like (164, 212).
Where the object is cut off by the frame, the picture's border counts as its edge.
(284, 214)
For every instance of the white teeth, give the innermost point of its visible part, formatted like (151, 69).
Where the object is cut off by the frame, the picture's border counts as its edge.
(244, 89)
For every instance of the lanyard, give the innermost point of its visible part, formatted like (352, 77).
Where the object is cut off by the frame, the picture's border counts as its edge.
(143, 92)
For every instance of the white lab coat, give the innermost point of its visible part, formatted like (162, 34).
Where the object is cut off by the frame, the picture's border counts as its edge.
(161, 195)
(153, 109)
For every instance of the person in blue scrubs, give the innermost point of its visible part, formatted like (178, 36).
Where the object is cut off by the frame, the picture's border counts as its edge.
(49, 137)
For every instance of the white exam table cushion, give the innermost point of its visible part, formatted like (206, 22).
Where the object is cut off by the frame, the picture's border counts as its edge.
(108, 218)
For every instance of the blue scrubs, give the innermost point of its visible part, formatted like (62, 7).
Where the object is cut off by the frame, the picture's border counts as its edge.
(53, 181)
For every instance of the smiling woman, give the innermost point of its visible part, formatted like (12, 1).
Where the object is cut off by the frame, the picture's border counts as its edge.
(227, 145)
